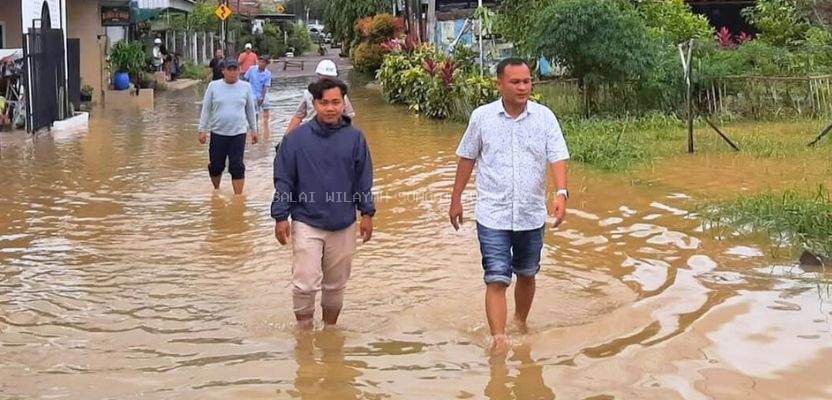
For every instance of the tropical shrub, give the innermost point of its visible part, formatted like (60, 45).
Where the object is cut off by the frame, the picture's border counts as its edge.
(780, 22)
(434, 84)
(598, 41)
(379, 35)
(674, 20)
(367, 57)
(341, 16)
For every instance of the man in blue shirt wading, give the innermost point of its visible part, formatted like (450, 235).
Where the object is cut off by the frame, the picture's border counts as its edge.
(260, 79)
(512, 141)
(323, 173)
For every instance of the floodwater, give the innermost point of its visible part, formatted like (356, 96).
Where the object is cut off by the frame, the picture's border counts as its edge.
(124, 276)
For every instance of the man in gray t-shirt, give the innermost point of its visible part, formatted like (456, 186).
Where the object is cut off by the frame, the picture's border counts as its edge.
(228, 113)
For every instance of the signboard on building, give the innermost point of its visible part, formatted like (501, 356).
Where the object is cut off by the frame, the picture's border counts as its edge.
(31, 11)
(115, 15)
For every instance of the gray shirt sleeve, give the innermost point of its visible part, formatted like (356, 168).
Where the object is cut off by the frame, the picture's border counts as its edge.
(301, 111)
(205, 115)
(251, 115)
(348, 110)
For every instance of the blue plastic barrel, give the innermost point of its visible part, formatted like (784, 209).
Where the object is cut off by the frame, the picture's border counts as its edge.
(121, 81)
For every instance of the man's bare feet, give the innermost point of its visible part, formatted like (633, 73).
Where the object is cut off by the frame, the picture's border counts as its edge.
(305, 324)
(499, 345)
(522, 327)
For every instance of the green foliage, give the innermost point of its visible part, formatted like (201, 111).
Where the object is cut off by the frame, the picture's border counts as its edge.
(801, 220)
(434, 84)
(128, 57)
(201, 19)
(299, 39)
(780, 22)
(599, 41)
(368, 54)
(340, 16)
(674, 20)
(515, 21)
(193, 71)
(367, 57)
(610, 145)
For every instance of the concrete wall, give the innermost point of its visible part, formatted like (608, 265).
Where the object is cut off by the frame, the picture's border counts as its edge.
(84, 22)
(10, 16)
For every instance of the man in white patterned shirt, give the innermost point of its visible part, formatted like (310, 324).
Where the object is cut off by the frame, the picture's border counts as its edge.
(513, 141)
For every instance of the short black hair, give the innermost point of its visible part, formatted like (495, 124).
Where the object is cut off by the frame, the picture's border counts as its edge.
(318, 88)
(515, 61)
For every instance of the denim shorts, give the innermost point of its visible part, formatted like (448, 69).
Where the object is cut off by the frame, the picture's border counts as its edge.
(505, 252)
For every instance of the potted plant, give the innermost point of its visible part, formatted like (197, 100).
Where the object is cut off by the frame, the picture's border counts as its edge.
(127, 60)
(86, 93)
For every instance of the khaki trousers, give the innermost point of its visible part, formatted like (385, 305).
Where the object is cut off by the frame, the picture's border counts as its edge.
(322, 262)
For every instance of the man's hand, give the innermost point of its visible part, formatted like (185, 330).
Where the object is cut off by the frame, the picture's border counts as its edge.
(560, 210)
(366, 228)
(455, 213)
(260, 102)
(254, 137)
(282, 231)
(203, 137)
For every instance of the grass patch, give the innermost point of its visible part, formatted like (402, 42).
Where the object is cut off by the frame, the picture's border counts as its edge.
(193, 71)
(799, 220)
(616, 144)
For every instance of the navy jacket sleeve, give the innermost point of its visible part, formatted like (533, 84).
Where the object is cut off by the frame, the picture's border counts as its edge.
(285, 176)
(364, 174)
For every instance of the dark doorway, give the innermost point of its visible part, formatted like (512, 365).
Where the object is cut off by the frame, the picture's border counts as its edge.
(725, 14)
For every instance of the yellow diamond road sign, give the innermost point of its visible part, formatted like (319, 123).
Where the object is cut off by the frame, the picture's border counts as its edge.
(281, 9)
(222, 12)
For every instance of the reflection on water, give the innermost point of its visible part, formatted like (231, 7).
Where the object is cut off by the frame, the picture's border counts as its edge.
(124, 275)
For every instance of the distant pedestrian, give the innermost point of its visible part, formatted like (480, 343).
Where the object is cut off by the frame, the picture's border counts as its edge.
(157, 58)
(247, 59)
(228, 111)
(260, 79)
(323, 177)
(216, 64)
(305, 112)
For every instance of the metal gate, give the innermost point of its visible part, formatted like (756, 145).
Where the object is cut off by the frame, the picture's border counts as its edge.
(45, 77)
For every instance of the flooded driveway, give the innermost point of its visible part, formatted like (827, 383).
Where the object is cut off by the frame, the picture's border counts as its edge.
(124, 276)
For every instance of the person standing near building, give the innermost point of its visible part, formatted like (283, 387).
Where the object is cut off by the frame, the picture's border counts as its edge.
(216, 65)
(260, 79)
(157, 58)
(228, 111)
(323, 175)
(247, 59)
(512, 141)
(326, 69)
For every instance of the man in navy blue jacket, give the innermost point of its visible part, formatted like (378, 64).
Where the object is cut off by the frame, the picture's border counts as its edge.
(323, 173)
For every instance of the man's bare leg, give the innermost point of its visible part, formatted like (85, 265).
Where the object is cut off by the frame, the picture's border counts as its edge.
(215, 180)
(238, 185)
(523, 297)
(495, 311)
(265, 129)
(331, 316)
(304, 321)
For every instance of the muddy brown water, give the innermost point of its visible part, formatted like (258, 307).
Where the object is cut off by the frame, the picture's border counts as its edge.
(123, 276)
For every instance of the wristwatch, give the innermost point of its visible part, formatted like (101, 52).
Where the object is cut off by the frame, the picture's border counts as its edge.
(562, 192)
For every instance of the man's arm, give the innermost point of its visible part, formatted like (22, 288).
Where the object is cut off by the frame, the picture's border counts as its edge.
(464, 169)
(205, 114)
(251, 114)
(300, 114)
(556, 154)
(364, 195)
(468, 152)
(285, 174)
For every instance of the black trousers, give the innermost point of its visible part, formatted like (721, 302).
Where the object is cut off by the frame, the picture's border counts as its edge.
(227, 147)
